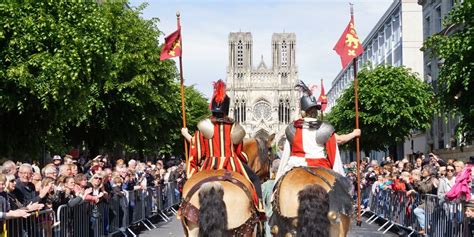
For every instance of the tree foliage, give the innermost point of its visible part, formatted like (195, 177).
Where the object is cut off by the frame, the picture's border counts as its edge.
(393, 101)
(74, 72)
(456, 49)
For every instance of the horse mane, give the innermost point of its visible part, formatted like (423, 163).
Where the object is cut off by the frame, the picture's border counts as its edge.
(312, 212)
(262, 150)
(212, 211)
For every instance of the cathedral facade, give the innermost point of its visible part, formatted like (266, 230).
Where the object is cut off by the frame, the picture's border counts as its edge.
(263, 98)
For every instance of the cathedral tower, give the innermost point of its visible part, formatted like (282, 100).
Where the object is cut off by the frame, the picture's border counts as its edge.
(263, 99)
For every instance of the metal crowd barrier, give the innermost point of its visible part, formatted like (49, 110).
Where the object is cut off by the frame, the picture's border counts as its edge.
(38, 224)
(118, 214)
(395, 208)
(442, 218)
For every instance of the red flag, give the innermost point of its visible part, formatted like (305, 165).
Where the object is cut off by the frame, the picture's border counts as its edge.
(348, 47)
(172, 47)
(323, 99)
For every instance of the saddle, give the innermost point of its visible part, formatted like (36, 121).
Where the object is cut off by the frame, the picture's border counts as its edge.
(191, 212)
(337, 186)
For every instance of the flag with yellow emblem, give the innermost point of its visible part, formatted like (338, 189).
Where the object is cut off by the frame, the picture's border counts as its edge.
(349, 46)
(172, 47)
(323, 99)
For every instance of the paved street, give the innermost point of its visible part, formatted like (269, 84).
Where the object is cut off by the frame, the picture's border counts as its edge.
(173, 229)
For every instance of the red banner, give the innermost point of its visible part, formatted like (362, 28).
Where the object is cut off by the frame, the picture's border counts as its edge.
(323, 99)
(172, 47)
(348, 46)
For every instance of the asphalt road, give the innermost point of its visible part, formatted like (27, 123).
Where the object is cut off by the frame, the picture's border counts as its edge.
(173, 229)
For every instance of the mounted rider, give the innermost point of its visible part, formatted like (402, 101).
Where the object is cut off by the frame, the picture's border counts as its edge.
(218, 143)
(310, 141)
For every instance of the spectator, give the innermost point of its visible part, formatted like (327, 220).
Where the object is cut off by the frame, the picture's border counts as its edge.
(25, 191)
(9, 167)
(446, 183)
(267, 190)
(65, 170)
(36, 180)
(427, 185)
(50, 171)
(5, 211)
(459, 166)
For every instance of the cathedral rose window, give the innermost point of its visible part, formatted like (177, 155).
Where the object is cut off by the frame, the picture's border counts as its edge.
(262, 110)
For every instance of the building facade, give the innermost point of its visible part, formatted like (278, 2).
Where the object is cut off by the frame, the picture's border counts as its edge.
(395, 40)
(263, 98)
(441, 136)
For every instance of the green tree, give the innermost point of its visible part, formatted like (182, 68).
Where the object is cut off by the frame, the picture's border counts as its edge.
(52, 62)
(82, 71)
(455, 90)
(393, 101)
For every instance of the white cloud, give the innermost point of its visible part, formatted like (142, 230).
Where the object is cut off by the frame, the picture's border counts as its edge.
(317, 24)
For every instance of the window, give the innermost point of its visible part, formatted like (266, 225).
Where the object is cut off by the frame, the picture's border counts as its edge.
(438, 19)
(397, 56)
(396, 29)
(284, 111)
(240, 114)
(240, 54)
(427, 27)
(262, 110)
(284, 54)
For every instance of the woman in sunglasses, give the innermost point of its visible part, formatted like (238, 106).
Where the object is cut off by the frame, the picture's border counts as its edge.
(447, 182)
(98, 193)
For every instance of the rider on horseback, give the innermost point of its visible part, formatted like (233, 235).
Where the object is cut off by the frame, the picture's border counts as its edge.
(312, 142)
(218, 143)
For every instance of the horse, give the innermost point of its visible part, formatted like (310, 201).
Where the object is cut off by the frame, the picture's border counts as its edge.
(258, 153)
(211, 197)
(311, 201)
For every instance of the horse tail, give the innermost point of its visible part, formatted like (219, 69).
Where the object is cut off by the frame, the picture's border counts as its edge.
(212, 210)
(313, 212)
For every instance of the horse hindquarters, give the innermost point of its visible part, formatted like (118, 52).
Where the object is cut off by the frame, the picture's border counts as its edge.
(313, 212)
(212, 211)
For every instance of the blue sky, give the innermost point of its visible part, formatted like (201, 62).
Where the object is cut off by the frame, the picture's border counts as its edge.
(206, 24)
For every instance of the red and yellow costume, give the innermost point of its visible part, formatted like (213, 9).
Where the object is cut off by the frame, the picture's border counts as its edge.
(219, 152)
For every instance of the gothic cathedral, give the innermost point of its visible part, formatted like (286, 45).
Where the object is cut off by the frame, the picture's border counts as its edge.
(263, 99)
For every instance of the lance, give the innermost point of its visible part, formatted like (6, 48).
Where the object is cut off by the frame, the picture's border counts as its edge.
(356, 99)
(183, 111)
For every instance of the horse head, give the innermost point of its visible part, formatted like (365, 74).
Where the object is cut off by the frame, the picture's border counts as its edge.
(259, 152)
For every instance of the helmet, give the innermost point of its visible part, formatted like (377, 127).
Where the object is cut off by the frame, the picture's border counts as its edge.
(220, 102)
(307, 101)
(222, 107)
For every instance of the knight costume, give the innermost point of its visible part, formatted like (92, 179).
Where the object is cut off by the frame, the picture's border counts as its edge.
(218, 142)
(309, 141)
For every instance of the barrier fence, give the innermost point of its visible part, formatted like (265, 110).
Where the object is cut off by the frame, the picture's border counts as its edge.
(396, 208)
(38, 224)
(106, 218)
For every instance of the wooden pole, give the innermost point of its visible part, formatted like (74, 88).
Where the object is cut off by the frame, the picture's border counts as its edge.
(183, 111)
(322, 112)
(359, 220)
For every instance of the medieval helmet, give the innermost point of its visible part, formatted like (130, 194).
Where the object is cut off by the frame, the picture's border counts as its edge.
(220, 101)
(308, 100)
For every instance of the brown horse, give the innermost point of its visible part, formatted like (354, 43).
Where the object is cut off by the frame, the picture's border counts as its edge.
(258, 152)
(218, 203)
(311, 202)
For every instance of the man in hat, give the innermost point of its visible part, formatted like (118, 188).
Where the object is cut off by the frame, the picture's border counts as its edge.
(218, 142)
(310, 141)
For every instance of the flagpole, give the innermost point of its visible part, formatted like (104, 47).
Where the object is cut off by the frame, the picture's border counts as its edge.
(354, 61)
(359, 221)
(322, 112)
(183, 111)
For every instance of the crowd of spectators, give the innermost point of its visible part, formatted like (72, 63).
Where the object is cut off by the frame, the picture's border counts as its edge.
(424, 175)
(26, 188)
